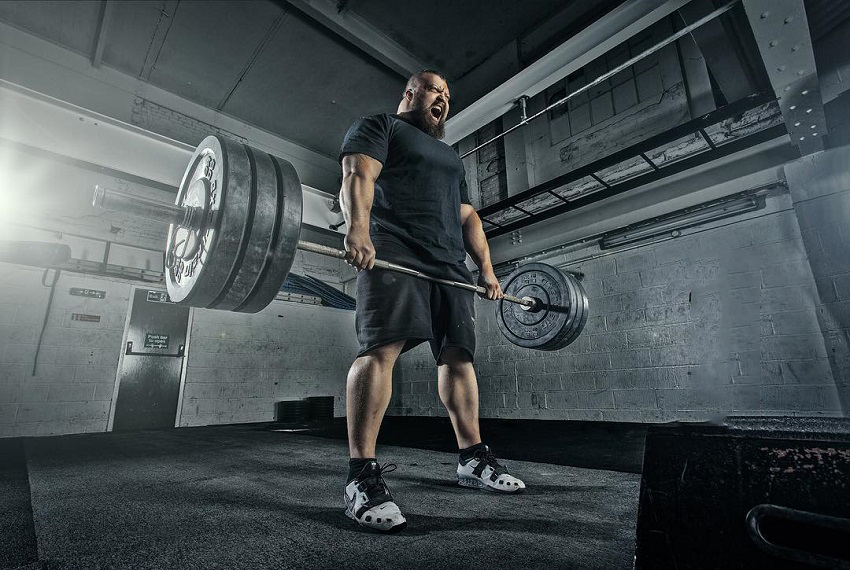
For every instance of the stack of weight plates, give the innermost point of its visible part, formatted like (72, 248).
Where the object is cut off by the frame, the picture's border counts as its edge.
(321, 407)
(292, 412)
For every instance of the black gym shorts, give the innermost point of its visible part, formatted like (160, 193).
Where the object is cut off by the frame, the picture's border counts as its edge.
(392, 306)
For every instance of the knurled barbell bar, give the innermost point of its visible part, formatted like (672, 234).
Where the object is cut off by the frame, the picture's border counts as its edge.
(234, 228)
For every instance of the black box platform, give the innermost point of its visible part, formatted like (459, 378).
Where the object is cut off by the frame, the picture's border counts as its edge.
(770, 492)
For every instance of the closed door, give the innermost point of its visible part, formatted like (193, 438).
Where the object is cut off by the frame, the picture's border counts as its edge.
(149, 377)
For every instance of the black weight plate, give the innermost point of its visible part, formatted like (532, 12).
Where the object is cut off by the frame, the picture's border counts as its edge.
(536, 329)
(575, 309)
(585, 309)
(221, 166)
(283, 247)
(260, 232)
(571, 333)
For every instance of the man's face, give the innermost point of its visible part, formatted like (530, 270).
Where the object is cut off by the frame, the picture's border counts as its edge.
(429, 106)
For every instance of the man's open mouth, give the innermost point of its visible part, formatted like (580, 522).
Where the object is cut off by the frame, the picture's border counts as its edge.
(437, 112)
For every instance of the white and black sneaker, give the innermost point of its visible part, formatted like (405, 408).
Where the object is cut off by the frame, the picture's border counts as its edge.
(483, 471)
(369, 502)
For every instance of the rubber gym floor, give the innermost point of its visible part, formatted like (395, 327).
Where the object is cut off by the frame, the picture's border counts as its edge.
(253, 496)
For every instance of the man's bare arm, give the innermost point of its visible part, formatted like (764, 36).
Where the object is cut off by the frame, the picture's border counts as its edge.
(359, 173)
(476, 245)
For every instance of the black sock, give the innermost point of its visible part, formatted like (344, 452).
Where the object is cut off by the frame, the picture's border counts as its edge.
(469, 452)
(355, 466)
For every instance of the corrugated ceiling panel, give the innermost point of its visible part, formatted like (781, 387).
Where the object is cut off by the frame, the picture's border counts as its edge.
(208, 46)
(69, 23)
(130, 33)
(455, 36)
(308, 87)
(824, 15)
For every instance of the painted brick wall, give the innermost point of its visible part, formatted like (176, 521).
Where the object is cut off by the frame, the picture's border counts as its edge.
(71, 390)
(718, 321)
(239, 365)
(174, 124)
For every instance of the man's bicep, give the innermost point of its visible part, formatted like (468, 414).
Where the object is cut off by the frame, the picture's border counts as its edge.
(361, 165)
(466, 210)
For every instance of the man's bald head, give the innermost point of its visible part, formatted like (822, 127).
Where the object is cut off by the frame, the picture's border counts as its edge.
(425, 102)
(423, 76)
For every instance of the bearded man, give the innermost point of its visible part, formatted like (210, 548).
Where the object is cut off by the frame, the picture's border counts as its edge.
(405, 197)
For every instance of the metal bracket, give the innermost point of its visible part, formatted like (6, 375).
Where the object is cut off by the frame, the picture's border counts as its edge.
(522, 102)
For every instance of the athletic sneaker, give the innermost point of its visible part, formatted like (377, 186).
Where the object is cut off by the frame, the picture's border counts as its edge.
(483, 471)
(369, 502)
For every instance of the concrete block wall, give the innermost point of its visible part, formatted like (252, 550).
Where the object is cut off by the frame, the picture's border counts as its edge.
(722, 320)
(239, 365)
(71, 390)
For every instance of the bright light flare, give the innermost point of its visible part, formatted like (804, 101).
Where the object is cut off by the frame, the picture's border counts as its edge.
(25, 191)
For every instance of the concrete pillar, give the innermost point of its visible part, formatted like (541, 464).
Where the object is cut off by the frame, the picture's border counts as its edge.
(820, 190)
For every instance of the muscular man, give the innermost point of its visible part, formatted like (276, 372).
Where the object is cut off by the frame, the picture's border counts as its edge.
(404, 196)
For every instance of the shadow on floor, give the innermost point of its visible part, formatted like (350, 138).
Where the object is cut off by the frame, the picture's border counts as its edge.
(593, 445)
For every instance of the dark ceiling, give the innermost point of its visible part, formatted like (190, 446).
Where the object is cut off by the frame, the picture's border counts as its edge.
(273, 66)
(455, 36)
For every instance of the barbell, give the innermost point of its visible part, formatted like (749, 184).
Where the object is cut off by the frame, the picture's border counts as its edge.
(233, 233)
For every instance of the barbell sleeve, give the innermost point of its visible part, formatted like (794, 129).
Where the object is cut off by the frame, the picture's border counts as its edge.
(183, 216)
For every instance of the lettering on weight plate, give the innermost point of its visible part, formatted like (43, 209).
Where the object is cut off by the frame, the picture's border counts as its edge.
(210, 167)
(177, 270)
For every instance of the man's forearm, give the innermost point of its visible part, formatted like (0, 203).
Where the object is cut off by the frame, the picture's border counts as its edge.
(475, 242)
(356, 200)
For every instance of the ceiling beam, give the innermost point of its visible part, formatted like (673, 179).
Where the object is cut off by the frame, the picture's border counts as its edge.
(720, 53)
(361, 34)
(782, 35)
(102, 25)
(622, 23)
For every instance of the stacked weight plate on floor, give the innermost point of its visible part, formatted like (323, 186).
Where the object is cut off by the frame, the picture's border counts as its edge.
(240, 252)
(562, 316)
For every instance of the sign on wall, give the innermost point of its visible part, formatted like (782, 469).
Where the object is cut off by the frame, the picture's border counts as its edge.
(93, 293)
(85, 318)
(156, 340)
(158, 297)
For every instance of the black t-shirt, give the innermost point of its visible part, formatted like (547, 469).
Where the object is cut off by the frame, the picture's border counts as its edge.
(415, 218)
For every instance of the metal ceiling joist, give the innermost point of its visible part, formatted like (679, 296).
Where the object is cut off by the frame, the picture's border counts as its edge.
(102, 26)
(719, 52)
(622, 23)
(782, 34)
(358, 32)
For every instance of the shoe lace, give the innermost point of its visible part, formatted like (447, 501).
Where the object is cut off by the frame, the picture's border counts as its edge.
(375, 484)
(487, 457)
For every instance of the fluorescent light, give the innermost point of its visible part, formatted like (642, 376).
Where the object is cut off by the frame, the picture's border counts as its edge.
(677, 221)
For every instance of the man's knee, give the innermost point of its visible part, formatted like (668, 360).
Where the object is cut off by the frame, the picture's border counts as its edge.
(383, 356)
(455, 358)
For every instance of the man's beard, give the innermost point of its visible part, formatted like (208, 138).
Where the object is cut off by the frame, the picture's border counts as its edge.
(421, 118)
